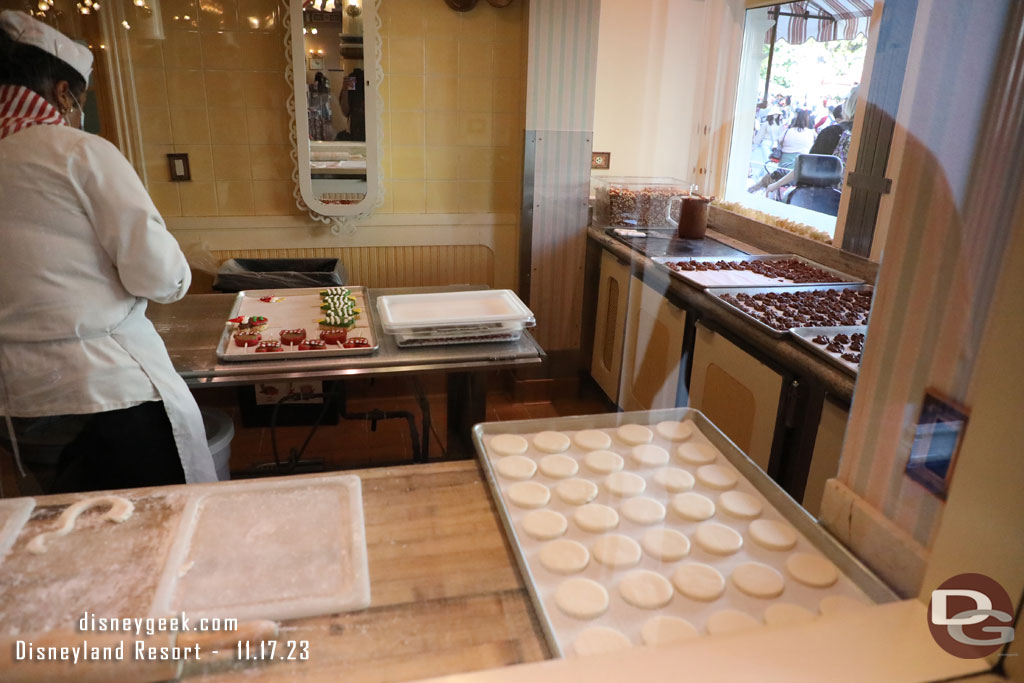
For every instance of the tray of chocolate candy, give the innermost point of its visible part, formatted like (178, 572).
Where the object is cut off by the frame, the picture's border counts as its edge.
(842, 345)
(298, 323)
(777, 310)
(765, 270)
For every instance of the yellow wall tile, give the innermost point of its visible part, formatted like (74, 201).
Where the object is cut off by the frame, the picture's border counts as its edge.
(263, 50)
(228, 126)
(442, 197)
(406, 55)
(225, 88)
(406, 17)
(475, 94)
(507, 197)
(442, 163)
(507, 60)
(190, 126)
(259, 14)
(165, 197)
(507, 130)
(476, 163)
(408, 128)
(507, 95)
(440, 20)
(156, 126)
(406, 92)
(146, 53)
(509, 24)
(271, 162)
(198, 198)
(185, 88)
(174, 12)
(150, 87)
(268, 126)
(218, 15)
(508, 163)
(407, 163)
(478, 24)
(234, 197)
(223, 50)
(155, 162)
(474, 129)
(264, 89)
(442, 93)
(182, 50)
(476, 196)
(408, 196)
(474, 58)
(231, 162)
(442, 128)
(273, 197)
(200, 161)
(442, 56)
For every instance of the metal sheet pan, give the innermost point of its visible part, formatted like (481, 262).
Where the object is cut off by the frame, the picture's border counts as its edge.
(366, 328)
(686, 276)
(803, 336)
(790, 510)
(716, 295)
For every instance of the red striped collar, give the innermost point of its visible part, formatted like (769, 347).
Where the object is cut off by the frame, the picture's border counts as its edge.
(22, 108)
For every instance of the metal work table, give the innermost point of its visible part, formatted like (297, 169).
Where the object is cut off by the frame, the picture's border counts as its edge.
(192, 328)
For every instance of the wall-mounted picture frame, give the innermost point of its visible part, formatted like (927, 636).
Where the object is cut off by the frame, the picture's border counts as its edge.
(940, 429)
(316, 63)
(602, 160)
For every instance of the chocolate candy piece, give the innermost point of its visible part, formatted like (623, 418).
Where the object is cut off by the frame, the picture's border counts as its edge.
(269, 346)
(834, 348)
(294, 336)
(334, 337)
(247, 338)
(312, 345)
(851, 357)
(821, 339)
(357, 343)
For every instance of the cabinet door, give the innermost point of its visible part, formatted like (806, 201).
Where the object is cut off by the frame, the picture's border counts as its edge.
(654, 346)
(610, 325)
(737, 392)
(828, 444)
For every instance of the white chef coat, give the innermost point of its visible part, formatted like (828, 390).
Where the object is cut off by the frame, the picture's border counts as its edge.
(82, 247)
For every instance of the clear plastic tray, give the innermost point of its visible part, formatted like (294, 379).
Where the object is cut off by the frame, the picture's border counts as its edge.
(453, 314)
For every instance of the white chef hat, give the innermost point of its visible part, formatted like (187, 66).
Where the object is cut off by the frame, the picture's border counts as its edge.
(24, 29)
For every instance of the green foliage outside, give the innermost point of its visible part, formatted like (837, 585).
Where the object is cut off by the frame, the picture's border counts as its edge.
(814, 70)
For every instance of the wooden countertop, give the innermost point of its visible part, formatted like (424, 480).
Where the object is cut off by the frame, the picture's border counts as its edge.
(446, 595)
(783, 350)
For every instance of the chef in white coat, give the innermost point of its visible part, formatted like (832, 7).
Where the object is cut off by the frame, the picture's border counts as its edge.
(82, 249)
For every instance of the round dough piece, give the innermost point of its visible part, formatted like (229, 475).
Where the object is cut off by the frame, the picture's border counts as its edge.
(581, 598)
(616, 551)
(509, 444)
(648, 455)
(634, 435)
(603, 462)
(675, 431)
(592, 440)
(834, 604)
(736, 504)
(667, 545)
(812, 570)
(599, 640)
(564, 556)
(665, 630)
(551, 442)
(625, 484)
(730, 621)
(718, 539)
(697, 453)
(645, 589)
(784, 614)
(596, 518)
(558, 466)
(544, 525)
(772, 535)
(693, 506)
(698, 581)
(674, 479)
(516, 467)
(643, 510)
(758, 580)
(576, 491)
(717, 477)
(528, 494)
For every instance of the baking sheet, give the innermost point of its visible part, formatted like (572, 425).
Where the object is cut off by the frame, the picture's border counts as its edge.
(297, 549)
(803, 336)
(732, 278)
(856, 581)
(716, 296)
(298, 308)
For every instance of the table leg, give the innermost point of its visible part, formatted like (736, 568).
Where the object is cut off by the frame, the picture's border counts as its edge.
(467, 405)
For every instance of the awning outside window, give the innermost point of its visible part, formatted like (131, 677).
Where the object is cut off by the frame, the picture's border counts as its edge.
(823, 20)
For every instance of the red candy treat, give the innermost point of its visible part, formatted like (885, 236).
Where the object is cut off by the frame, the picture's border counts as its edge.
(292, 337)
(312, 345)
(334, 336)
(247, 338)
(357, 343)
(268, 346)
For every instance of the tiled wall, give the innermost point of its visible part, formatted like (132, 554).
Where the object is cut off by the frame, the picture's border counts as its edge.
(214, 87)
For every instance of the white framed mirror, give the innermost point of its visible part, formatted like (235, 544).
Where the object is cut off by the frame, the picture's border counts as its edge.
(336, 72)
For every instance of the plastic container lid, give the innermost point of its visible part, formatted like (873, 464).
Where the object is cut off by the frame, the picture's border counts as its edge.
(404, 313)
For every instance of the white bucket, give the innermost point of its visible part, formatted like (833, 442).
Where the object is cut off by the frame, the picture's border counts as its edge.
(219, 432)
